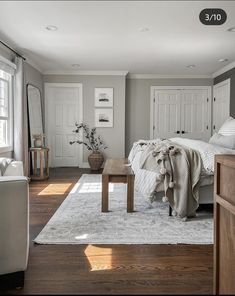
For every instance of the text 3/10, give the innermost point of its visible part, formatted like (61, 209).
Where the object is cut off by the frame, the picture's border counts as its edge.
(213, 16)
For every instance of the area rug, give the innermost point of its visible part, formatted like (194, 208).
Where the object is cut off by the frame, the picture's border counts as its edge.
(79, 220)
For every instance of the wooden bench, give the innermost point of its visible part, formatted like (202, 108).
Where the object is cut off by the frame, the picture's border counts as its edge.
(117, 171)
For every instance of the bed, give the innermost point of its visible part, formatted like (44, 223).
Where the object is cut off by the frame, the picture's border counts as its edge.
(147, 180)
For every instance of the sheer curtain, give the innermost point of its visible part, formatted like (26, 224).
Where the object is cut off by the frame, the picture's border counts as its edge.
(20, 116)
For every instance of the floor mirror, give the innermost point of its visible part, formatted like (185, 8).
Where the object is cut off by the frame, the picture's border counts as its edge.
(36, 132)
(35, 119)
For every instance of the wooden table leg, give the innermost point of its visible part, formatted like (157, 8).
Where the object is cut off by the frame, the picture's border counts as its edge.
(41, 163)
(29, 164)
(130, 193)
(47, 163)
(35, 161)
(105, 193)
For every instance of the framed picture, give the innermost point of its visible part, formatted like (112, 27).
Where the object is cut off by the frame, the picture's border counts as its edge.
(104, 117)
(104, 97)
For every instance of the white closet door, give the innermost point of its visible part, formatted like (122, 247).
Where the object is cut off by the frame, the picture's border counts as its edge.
(63, 110)
(221, 104)
(195, 114)
(166, 113)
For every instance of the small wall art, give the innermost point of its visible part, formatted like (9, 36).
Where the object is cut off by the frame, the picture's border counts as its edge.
(104, 117)
(103, 97)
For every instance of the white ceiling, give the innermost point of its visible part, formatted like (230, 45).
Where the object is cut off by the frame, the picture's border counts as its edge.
(105, 36)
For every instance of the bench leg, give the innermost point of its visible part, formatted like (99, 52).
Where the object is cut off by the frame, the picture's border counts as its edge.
(170, 211)
(130, 193)
(105, 193)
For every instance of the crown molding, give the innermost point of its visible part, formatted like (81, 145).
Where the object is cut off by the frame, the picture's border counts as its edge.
(157, 76)
(224, 69)
(80, 72)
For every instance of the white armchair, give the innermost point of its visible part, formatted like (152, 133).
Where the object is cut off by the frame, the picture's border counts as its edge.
(14, 225)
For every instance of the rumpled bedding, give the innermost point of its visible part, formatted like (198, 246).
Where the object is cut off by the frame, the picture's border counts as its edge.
(194, 160)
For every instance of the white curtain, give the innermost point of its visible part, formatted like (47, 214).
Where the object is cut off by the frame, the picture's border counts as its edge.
(20, 116)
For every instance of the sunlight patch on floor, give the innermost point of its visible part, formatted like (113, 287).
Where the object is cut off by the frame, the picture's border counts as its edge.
(100, 258)
(55, 189)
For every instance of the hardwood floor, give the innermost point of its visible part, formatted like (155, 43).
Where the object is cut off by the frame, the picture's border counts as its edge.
(106, 269)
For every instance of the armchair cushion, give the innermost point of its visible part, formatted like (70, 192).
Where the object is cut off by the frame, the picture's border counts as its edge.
(14, 219)
(10, 167)
(15, 168)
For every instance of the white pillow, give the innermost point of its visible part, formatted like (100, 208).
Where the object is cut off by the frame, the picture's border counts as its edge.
(228, 128)
(224, 141)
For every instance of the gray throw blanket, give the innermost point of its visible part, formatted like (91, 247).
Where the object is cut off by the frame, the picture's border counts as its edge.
(179, 168)
(4, 163)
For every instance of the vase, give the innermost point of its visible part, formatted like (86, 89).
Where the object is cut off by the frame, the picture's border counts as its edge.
(37, 143)
(95, 160)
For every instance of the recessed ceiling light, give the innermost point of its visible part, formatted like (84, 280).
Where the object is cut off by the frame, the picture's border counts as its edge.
(191, 66)
(75, 65)
(143, 29)
(231, 29)
(51, 28)
(222, 60)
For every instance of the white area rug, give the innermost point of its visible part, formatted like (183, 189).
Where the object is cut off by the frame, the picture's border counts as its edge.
(79, 220)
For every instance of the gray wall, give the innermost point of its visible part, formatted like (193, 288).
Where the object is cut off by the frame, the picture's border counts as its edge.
(138, 104)
(34, 77)
(229, 74)
(113, 137)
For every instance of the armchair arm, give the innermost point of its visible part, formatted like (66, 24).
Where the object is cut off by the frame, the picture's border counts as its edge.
(15, 168)
(14, 224)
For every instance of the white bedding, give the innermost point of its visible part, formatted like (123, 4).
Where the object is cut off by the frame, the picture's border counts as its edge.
(145, 181)
(207, 151)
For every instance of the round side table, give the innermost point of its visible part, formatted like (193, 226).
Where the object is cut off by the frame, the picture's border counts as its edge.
(43, 172)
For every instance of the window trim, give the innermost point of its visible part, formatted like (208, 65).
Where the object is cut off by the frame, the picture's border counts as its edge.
(9, 146)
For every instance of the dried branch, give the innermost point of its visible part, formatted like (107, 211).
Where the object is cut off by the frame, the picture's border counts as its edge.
(91, 141)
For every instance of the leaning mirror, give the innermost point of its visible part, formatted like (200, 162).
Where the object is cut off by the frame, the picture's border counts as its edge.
(35, 117)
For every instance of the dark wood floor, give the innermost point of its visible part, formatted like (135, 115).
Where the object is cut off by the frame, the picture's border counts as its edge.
(107, 269)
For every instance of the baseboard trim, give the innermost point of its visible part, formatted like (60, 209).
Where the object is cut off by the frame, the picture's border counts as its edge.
(85, 165)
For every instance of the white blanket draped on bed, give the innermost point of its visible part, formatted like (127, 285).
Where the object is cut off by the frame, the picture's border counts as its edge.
(147, 182)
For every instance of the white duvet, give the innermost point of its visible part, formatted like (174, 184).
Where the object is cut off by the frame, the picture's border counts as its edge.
(145, 181)
(207, 151)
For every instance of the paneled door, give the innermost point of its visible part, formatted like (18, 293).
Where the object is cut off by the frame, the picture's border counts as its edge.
(195, 114)
(166, 113)
(221, 104)
(63, 109)
(180, 112)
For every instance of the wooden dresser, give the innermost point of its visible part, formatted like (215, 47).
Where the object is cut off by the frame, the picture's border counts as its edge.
(224, 221)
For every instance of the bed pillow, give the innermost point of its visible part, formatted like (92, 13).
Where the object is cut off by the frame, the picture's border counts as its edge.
(224, 141)
(228, 128)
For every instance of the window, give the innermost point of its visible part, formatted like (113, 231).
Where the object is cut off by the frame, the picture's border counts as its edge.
(5, 111)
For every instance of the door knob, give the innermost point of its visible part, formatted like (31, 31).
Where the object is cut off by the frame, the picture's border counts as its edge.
(177, 132)
(182, 132)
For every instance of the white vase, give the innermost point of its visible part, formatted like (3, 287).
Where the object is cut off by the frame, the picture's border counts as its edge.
(37, 143)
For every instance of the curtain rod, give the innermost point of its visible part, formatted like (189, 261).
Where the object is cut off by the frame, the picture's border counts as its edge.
(16, 53)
